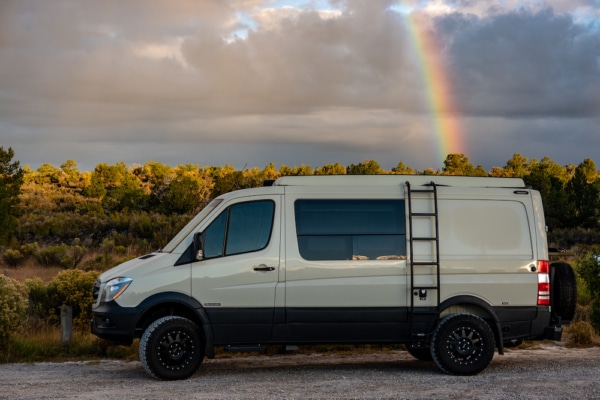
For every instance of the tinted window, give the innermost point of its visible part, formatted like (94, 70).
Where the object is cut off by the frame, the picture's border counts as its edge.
(241, 228)
(350, 229)
(214, 237)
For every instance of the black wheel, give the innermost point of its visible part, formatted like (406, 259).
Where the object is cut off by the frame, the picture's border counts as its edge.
(462, 344)
(564, 291)
(171, 348)
(420, 353)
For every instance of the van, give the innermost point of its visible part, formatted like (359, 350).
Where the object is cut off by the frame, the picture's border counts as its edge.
(452, 267)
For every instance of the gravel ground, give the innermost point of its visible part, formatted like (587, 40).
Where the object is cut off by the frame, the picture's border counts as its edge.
(547, 371)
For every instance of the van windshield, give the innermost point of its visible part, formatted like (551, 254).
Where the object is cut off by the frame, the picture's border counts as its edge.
(190, 226)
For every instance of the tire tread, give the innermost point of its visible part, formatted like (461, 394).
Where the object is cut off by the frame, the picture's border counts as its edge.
(436, 344)
(564, 291)
(144, 347)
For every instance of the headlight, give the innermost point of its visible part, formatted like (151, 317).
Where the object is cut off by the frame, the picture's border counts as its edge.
(115, 287)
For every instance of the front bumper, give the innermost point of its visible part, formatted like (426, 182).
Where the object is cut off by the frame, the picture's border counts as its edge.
(114, 323)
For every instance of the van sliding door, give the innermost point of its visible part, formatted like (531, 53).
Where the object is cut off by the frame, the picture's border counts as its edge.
(345, 270)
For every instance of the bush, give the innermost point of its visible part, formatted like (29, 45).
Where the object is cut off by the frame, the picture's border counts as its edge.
(29, 249)
(51, 255)
(589, 270)
(13, 307)
(14, 258)
(581, 334)
(39, 302)
(61, 255)
(74, 288)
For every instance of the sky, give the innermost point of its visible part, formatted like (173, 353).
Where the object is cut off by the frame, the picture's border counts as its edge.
(250, 82)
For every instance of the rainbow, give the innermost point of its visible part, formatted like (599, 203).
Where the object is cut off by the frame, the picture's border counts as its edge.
(438, 94)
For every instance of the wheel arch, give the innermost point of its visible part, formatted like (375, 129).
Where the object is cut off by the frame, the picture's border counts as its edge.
(177, 304)
(476, 306)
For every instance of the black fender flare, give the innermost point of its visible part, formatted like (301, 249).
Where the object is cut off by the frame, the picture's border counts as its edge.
(482, 304)
(192, 306)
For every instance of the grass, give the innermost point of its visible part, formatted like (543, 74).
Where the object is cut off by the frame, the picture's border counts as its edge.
(582, 334)
(31, 272)
(45, 344)
(42, 342)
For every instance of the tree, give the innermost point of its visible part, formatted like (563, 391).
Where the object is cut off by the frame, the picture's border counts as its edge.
(368, 167)
(110, 175)
(402, 169)
(182, 196)
(11, 179)
(499, 172)
(517, 166)
(227, 179)
(128, 196)
(269, 172)
(303, 169)
(48, 173)
(589, 271)
(584, 193)
(331, 169)
(458, 164)
(70, 172)
(546, 178)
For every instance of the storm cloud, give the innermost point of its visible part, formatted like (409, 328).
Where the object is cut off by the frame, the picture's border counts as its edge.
(248, 82)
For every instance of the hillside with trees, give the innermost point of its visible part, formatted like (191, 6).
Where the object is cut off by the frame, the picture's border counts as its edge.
(76, 224)
(61, 216)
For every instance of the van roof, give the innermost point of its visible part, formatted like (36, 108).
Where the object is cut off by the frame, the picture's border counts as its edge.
(389, 180)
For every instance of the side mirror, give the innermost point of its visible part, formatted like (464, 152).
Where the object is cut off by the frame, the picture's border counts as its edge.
(197, 251)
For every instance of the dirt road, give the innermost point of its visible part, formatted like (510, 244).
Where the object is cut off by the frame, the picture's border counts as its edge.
(547, 372)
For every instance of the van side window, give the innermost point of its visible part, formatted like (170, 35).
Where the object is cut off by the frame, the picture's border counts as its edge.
(241, 228)
(351, 229)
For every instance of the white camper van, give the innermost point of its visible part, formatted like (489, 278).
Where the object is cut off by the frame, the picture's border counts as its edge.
(452, 267)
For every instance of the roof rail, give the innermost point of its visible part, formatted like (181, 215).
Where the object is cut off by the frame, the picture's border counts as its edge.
(388, 180)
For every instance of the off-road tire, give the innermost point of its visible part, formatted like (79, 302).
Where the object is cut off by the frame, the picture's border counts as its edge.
(171, 348)
(563, 291)
(462, 344)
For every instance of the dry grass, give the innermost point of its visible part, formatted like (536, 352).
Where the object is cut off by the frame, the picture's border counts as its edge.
(31, 272)
(44, 343)
(582, 334)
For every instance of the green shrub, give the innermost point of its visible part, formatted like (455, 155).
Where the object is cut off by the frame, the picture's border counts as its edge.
(14, 258)
(589, 270)
(29, 249)
(61, 255)
(50, 255)
(74, 288)
(39, 302)
(13, 307)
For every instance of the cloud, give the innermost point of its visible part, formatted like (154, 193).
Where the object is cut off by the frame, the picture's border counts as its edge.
(187, 80)
(524, 64)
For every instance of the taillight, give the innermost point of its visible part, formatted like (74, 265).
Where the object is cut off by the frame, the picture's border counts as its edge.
(543, 283)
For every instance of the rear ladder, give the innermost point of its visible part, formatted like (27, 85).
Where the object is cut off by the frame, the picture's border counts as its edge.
(423, 228)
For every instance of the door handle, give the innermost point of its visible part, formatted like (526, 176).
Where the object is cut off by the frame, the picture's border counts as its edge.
(263, 267)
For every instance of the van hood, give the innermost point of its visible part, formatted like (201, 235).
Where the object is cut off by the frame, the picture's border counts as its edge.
(137, 266)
